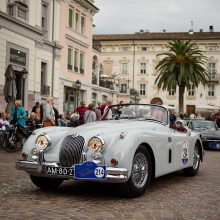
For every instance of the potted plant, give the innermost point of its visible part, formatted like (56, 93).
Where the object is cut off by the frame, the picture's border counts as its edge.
(22, 4)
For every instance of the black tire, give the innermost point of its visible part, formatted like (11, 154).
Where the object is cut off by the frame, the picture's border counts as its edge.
(138, 181)
(46, 182)
(11, 141)
(192, 171)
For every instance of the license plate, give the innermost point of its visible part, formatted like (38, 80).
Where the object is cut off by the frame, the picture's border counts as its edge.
(67, 171)
(214, 145)
(89, 170)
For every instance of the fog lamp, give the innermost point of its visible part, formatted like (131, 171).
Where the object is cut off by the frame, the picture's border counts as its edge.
(97, 157)
(35, 153)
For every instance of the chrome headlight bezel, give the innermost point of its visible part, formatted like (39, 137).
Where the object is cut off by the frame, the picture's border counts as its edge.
(46, 144)
(100, 149)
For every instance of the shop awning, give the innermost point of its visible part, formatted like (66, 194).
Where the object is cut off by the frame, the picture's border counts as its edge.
(207, 107)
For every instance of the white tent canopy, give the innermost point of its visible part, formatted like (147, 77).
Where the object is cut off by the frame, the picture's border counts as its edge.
(207, 107)
(169, 107)
(104, 76)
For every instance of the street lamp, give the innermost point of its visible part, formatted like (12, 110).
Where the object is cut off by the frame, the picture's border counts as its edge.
(113, 77)
(128, 80)
(24, 73)
(112, 89)
(78, 86)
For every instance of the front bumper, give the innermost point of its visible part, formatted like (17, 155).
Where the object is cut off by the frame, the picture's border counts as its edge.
(38, 168)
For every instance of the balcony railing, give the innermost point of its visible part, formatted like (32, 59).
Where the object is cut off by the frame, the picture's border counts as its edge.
(96, 45)
(81, 71)
(45, 90)
(214, 77)
(94, 79)
(75, 69)
(106, 84)
(18, 11)
(69, 67)
(123, 91)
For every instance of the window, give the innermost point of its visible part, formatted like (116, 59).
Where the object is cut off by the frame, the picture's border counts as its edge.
(124, 48)
(94, 98)
(211, 90)
(81, 64)
(70, 18)
(212, 48)
(69, 61)
(124, 68)
(172, 91)
(123, 88)
(191, 91)
(44, 88)
(104, 98)
(82, 25)
(75, 61)
(212, 70)
(143, 48)
(142, 89)
(143, 68)
(76, 21)
(44, 16)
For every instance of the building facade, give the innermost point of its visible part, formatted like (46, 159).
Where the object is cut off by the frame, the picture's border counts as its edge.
(80, 56)
(133, 58)
(29, 39)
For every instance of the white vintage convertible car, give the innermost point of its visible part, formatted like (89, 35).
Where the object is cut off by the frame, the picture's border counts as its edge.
(132, 144)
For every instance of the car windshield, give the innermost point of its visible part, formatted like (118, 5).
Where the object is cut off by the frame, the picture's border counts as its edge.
(136, 111)
(202, 124)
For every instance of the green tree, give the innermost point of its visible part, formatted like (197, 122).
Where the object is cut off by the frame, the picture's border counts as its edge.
(183, 65)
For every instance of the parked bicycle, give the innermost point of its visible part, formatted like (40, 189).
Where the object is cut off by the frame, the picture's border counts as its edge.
(14, 137)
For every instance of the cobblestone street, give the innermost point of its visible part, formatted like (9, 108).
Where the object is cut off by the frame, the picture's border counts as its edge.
(173, 196)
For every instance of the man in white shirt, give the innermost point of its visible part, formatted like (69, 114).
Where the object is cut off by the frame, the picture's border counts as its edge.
(192, 116)
(3, 123)
(108, 103)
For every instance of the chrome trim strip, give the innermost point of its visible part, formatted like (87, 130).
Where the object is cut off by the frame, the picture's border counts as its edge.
(113, 174)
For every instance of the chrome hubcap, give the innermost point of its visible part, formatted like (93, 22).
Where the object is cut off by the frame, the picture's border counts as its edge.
(139, 173)
(196, 158)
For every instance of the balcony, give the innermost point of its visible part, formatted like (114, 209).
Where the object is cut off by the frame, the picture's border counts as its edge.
(214, 77)
(45, 90)
(69, 67)
(123, 91)
(94, 79)
(75, 69)
(81, 71)
(96, 45)
(105, 84)
(18, 11)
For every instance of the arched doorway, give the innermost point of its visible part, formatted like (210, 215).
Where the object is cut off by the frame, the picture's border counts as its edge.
(156, 100)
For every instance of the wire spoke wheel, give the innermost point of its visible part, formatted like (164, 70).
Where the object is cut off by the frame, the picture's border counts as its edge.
(139, 171)
(196, 157)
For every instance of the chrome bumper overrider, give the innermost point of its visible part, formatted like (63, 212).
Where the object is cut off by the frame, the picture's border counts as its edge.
(38, 168)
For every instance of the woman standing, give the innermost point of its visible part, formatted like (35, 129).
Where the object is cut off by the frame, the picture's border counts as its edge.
(18, 114)
(48, 113)
(90, 115)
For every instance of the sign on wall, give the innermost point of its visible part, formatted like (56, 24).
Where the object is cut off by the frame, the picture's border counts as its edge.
(18, 57)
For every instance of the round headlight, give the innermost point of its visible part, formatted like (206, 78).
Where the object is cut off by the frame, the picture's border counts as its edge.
(95, 144)
(42, 142)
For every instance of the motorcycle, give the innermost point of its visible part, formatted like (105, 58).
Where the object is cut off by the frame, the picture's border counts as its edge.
(14, 137)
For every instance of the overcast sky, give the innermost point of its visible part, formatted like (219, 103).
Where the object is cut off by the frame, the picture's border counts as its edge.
(129, 16)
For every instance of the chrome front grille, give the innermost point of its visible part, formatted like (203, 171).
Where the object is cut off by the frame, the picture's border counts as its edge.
(71, 150)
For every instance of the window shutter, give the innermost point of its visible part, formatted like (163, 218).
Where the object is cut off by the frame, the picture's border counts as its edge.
(81, 61)
(70, 18)
(75, 59)
(77, 17)
(69, 55)
(82, 21)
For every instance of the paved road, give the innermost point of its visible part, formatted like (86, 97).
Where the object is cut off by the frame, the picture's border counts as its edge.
(173, 196)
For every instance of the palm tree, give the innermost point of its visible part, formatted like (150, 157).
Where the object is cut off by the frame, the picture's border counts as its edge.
(183, 65)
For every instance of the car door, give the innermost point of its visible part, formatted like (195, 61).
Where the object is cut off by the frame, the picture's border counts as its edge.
(182, 150)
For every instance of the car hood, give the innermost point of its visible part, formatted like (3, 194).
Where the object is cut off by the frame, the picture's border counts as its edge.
(111, 126)
(209, 133)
